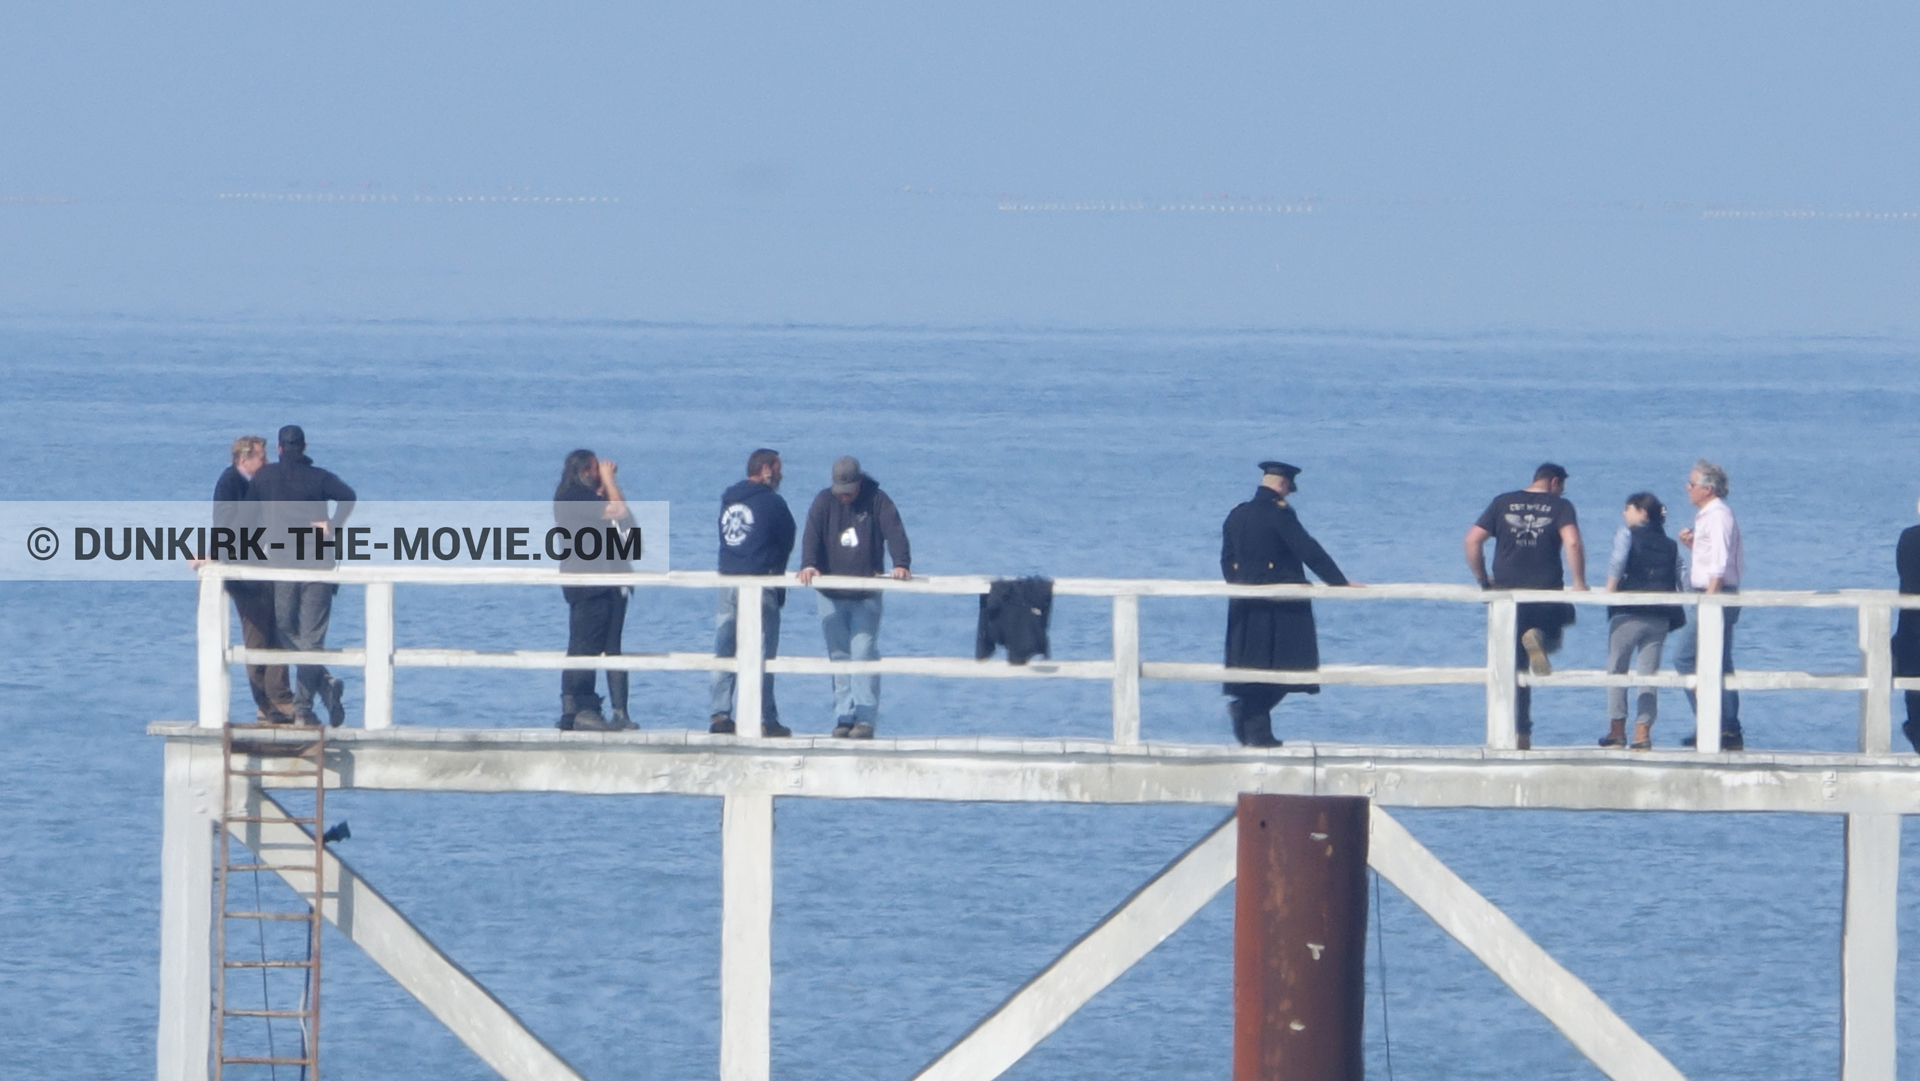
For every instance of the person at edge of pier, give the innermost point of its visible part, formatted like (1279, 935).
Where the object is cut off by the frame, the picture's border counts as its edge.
(296, 493)
(1716, 566)
(756, 537)
(1263, 543)
(846, 526)
(252, 601)
(1644, 560)
(585, 504)
(1906, 634)
(1531, 529)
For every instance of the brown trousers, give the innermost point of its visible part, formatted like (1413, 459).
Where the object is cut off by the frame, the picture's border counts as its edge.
(271, 690)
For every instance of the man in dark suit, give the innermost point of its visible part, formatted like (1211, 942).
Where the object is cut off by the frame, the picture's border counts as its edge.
(272, 696)
(1263, 543)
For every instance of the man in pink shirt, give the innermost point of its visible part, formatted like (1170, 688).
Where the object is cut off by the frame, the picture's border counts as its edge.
(1716, 567)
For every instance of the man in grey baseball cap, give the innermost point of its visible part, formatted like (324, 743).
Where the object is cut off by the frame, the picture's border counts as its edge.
(846, 526)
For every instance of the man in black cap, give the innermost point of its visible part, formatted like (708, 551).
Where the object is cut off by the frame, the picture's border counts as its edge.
(1263, 543)
(848, 524)
(296, 518)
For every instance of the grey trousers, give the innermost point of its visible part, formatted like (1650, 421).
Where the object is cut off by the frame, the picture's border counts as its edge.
(301, 612)
(1637, 639)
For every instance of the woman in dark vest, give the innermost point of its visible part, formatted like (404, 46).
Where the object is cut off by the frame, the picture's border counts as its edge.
(1645, 560)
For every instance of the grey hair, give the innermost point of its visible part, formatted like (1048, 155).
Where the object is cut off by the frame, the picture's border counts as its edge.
(1712, 476)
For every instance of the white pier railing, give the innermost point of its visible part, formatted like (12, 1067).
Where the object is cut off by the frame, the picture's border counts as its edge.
(1874, 682)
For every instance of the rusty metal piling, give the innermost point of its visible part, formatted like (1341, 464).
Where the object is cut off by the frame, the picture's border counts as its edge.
(1300, 938)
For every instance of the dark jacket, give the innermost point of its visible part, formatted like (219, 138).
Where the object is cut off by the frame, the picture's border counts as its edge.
(580, 507)
(1263, 543)
(1653, 566)
(1014, 613)
(756, 530)
(228, 493)
(1906, 635)
(297, 493)
(845, 538)
(232, 511)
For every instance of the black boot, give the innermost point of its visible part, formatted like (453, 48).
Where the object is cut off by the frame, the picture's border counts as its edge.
(567, 709)
(1912, 728)
(1239, 723)
(1259, 730)
(617, 698)
(589, 718)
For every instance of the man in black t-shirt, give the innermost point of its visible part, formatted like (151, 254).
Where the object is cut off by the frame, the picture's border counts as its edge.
(1530, 529)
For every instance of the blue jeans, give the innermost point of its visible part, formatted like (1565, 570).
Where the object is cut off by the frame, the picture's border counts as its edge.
(852, 630)
(1686, 656)
(724, 642)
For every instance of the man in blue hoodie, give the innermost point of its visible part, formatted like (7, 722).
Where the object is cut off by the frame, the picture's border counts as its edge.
(756, 537)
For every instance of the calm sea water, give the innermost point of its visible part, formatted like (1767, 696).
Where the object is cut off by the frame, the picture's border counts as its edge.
(900, 924)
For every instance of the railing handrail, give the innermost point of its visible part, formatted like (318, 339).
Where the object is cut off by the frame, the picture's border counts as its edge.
(965, 584)
(1875, 682)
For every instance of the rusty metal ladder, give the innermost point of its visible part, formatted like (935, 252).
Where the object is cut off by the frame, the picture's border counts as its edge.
(248, 763)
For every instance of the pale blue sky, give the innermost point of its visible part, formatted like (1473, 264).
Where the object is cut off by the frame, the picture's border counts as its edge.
(1453, 167)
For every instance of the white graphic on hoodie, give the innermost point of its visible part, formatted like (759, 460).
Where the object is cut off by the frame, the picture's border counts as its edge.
(736, 524)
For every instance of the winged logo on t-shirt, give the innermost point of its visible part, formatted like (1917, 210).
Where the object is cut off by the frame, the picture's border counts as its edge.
(1527, 527)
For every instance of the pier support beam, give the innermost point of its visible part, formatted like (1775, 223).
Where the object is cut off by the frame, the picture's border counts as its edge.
(1491, 935)
(1870, 949)
(1300, 939)
(471, 1012)
(1116, 944)
(190, 805)
(746, 926)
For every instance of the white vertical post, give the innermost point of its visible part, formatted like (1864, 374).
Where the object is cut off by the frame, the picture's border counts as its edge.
(1126, 668)
(1870, 947)
(379, 670)
(1502, 619)
(192, 791)
(1876, 663)
(746, 937)
(1710, 676)
(750, 661)
(214, 635)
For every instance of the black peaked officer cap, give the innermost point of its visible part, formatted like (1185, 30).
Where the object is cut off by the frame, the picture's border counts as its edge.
(1282, 468)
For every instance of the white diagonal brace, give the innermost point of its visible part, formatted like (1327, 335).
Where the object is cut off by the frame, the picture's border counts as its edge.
(1489, 934)
(1116, 944)
(469, 1010)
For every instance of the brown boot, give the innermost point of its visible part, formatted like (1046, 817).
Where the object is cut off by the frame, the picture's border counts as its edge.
(1642, 737)
(1616, 734)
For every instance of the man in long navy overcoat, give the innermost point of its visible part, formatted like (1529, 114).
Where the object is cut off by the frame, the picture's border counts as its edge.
(1262, 543)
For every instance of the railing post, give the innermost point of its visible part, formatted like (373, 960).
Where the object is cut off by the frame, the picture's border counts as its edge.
(746, 935)
(1870, 949)
(1710, 677)
(215, 636)
(750, 660)
(379, 671)
(1126, 668)
(1876, 663)
(1502, 680)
